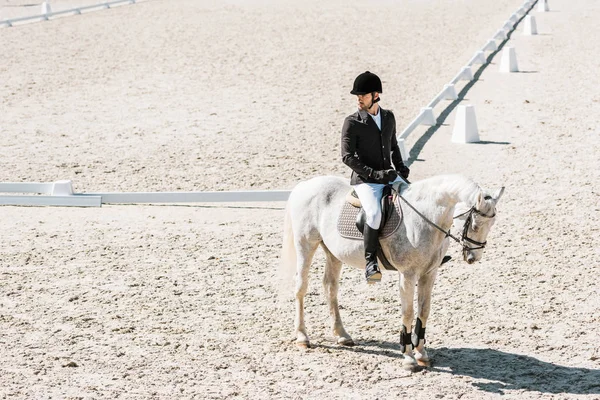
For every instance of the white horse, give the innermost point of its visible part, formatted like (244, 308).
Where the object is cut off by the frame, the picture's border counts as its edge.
(415, 249)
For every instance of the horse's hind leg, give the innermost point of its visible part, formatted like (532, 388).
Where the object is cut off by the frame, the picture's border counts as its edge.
(305, 251)
(424, 305)
(331, 281)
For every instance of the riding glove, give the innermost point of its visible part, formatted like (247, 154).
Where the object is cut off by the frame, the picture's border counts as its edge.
(403, 171)
(384, 176)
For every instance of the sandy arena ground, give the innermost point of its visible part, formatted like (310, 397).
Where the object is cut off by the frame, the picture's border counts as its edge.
(174, 302)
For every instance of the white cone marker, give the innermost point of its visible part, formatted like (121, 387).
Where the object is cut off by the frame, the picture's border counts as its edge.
(508, 63)
(543, 6)
(530, 27)
(465, 125)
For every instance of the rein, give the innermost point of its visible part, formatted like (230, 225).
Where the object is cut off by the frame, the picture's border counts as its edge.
(464, 239)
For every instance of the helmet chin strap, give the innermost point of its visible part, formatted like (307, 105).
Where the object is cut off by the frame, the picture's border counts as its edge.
(373, 102)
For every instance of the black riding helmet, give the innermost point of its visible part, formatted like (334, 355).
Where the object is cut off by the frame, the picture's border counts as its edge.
(367, 82)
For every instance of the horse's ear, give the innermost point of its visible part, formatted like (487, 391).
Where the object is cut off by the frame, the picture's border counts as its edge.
(480, 201)
(498, 194)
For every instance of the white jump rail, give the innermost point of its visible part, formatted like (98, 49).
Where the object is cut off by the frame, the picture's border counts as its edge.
(60, 193)
(75, 11)
(426, 116)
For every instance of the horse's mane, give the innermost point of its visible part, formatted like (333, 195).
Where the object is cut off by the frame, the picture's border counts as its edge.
(445, 188)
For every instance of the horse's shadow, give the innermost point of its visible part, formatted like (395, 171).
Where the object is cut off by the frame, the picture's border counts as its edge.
(501, 371)
(508, 371)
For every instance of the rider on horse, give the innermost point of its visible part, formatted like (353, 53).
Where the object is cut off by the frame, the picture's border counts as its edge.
(369, 147)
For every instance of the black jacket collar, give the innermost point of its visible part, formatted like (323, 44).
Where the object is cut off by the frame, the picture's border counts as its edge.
(365, 117)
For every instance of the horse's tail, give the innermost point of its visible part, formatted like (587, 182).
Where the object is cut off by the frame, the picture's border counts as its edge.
(287, 265)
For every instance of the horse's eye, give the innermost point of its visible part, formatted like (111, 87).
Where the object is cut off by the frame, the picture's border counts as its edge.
(475, 228)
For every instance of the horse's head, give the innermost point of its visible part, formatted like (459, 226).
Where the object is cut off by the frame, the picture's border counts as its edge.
(479, 220)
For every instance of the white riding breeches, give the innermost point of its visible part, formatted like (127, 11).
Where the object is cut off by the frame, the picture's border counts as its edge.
(370, 198)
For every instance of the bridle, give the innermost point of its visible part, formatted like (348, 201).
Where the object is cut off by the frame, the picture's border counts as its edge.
(468, 220)
(465, 240)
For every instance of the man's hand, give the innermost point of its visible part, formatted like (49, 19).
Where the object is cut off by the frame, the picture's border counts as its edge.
(390, 175)
(384, 176)
(403, 171)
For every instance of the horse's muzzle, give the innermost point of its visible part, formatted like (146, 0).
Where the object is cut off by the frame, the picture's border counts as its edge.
(470, 258)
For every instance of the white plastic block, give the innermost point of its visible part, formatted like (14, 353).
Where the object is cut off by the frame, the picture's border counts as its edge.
(427, 117)
(62, 188)
(530, 27)
(465, 125)
(478, 58)
(508, 63)
(46, 9)
(500, 35)
(450, 92)
(543, 6)
(402, 147)
(466, 74)
(490, 46)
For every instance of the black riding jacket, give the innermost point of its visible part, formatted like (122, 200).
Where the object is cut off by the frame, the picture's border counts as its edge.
(366, 149)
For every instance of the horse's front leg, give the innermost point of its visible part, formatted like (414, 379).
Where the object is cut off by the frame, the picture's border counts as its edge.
(424, 305)
(407, 292)
(331, 281)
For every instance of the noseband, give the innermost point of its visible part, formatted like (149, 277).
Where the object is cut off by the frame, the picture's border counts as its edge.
(464, 240)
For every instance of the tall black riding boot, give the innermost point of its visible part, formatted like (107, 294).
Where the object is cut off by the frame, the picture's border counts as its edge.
(371, 237)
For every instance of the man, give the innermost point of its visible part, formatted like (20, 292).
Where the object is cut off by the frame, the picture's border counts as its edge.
(369, 148)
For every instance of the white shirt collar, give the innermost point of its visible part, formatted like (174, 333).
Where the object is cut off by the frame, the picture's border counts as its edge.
(377, 117)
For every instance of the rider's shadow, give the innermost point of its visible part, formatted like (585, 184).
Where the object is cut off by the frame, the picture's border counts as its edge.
(508, 371)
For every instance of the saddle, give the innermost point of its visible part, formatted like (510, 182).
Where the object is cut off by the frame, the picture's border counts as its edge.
(351, 221)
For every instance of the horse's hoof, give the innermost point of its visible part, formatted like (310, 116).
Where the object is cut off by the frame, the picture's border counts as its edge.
(409, 364)
(424, 363)
(422, 359)
(303, 345)
(345, 342)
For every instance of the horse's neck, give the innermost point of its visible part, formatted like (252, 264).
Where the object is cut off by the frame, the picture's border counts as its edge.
(444, 192)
